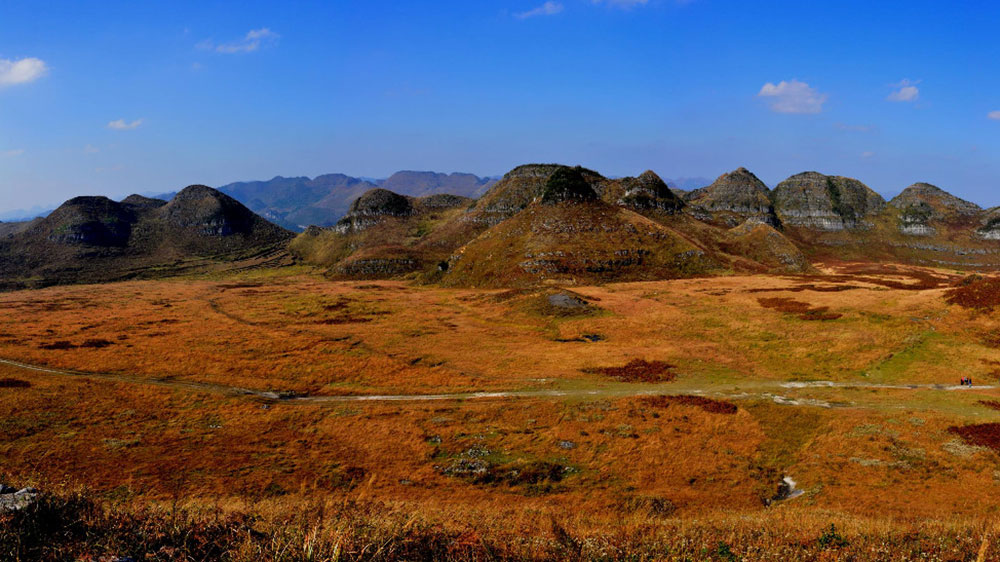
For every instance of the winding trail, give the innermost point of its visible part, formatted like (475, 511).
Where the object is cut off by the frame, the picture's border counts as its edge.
(736, 392)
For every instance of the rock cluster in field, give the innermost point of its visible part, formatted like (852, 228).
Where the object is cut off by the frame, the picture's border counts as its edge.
(12, 499)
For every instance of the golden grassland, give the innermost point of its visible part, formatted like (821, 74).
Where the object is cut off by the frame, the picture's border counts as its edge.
(600, 468)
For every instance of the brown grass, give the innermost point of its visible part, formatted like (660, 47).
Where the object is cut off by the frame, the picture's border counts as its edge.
(991, 404)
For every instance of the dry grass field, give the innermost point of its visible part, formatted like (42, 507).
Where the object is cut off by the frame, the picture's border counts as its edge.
(278, 414)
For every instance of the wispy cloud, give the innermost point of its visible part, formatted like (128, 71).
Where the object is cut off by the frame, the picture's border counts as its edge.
(91, 149)
(854, 128)
(995, 115)
(547, 9)
(12, 153)
(866, 155)
(793, 96)
(21, 71)
(252, 41)
(622, 3)
(122, 125)
(905, 90)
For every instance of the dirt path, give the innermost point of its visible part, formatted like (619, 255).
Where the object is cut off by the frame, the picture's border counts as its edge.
(745, 390)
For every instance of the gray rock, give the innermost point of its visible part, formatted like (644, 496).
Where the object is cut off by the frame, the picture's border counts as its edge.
(16, 501)
(829, 203)
(734, 198)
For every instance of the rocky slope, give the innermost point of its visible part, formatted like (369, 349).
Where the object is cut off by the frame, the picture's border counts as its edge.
(733, 198)
(384, 234)
(922, 208)
(97, 239)
(816, 201)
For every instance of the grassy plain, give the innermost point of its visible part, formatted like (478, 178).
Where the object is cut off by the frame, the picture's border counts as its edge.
(575, 463)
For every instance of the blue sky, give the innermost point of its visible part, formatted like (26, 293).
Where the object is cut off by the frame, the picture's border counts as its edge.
(120, 97)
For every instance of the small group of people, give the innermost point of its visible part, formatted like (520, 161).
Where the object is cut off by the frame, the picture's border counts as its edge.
(966, 381)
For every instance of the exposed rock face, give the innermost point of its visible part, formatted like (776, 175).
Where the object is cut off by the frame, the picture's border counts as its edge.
(369, 209)
(93, 221)
(830, 203)
(734, 198)
(648, 192)
(989, 227)
(16, 500)
(443, 201)
(922, 204)
(567, 184)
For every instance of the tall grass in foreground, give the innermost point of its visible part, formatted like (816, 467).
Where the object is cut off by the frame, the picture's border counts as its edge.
(76, 527)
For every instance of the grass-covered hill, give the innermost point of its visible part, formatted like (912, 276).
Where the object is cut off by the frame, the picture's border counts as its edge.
(90, 239)
(543, 222)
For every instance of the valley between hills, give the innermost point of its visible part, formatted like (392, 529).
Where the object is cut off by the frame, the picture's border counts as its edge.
(563, 366)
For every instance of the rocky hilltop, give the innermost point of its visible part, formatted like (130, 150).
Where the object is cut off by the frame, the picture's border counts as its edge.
(546, 222)
(922, 206)
(821, 202)
(540, 223)
(647, 192)
(98, 239)
(733, 198)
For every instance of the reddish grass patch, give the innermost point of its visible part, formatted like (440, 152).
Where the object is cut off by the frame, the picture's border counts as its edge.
(980, 293)
(803, 310)
(14, 383)
(639, 370)
(707, 404)
(981, 434)
(61, 345)
(991, 404)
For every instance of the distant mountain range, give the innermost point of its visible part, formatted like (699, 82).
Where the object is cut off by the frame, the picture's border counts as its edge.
(297, 202)
(540, 223)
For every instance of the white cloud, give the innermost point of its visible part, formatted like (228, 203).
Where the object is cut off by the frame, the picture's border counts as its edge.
(122, 125)
(21, 71)
(905, 91)
(994, 115)
(252, 41)
(547, 9)
(622, 3)
(867, 155)
(793, 97)
(12, 153)
(91, 149)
